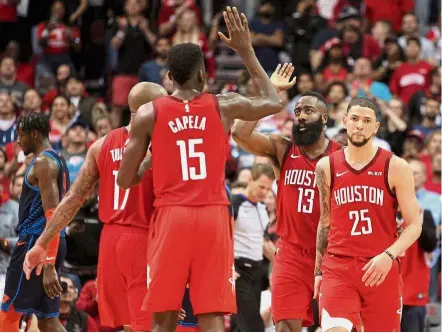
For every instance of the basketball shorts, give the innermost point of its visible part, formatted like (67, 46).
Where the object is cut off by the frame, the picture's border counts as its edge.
(345, 301)
(121, 277)
(29, 296)
(191, 245)
(292, 284)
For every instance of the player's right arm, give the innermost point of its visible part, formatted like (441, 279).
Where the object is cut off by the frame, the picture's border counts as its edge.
(136, 149)
(323, 182)
(66, 209)
(234, 106)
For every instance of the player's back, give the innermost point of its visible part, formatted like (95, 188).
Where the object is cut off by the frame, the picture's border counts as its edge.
(32, 219)
(131, 207)
(298, 197)
(188, 152)
(363, 207)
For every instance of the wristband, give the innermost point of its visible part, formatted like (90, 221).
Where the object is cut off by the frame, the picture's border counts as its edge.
(52, 249)
(390, 255)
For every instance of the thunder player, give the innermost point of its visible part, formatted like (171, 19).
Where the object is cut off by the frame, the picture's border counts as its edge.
(122, 264)
(360, 189)
(45, 183)
(297, 203)
(191, 237)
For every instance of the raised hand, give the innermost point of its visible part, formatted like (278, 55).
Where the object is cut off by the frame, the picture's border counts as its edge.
(281, 77)
(239, 35)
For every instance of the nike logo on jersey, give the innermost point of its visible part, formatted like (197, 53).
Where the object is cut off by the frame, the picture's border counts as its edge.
(295, 156)
(339, 174)
(21, 243)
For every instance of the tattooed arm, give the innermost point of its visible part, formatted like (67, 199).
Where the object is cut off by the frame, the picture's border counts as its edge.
(74, 199)
(323, 183)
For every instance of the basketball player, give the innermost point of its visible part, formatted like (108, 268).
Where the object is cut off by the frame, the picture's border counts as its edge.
(46, 181)
(121, 277)
(297, 204)
(191, 237)
(360, 188)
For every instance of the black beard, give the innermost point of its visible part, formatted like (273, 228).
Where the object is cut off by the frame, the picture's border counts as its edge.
(357, 143)
(431, 117)
(310, 135)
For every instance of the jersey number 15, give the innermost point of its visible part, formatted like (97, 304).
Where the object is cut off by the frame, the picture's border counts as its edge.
(186, 154)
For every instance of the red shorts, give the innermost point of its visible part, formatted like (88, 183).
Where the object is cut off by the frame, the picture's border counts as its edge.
(180, 328)
(292, 284)
(121, 277)
(191, 245)
(121, 86)
(345, 301)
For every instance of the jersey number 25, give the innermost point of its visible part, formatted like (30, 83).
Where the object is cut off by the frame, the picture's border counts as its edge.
(186, 154)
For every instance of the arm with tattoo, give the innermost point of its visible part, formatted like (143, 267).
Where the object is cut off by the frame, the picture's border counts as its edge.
(323, 183)
(74, 199)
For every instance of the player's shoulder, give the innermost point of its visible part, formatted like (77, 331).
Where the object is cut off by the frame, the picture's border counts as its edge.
(398, 164)
(46, 163)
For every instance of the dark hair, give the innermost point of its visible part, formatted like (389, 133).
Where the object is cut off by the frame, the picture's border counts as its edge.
(262, 169)
(183, 61)
(337, 83)
(412, 14)
(413, 39)
(35, 122)
(62, 96)
(366, 103)
(317, 95)
(238, 185)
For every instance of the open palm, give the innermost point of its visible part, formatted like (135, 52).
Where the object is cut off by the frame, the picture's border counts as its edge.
(281, 77)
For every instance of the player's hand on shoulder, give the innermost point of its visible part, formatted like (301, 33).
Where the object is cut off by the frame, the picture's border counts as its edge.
(281, 77)
(376, 270)
(51, 283)
(239, 35)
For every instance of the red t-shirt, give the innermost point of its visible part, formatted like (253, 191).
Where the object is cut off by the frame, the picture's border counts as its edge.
(328, 75)
(389, 10)
(166, 12)
(410, 78)
(8, 12)
(58, 42)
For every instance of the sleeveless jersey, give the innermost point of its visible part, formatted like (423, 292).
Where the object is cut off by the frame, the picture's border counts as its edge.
(363, 207)
(132, 207)
(32, 219)
(189, 152)
(298, 197)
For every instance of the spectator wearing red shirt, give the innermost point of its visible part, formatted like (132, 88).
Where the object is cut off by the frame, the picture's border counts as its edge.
(25, 70)
(413, 75)
(8, 19)
(56, 40)
(416, 277)
(60, 118)
(171, 11)
(333, 67)
(189, 31)
(388, 10)
(433, 183)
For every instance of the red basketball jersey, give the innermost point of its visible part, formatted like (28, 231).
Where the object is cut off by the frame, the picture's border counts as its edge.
(132, 207)
(298, 197)
(189, 152)
(363, 207)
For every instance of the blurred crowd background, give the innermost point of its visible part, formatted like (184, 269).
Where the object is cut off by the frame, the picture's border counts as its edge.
(76, 60)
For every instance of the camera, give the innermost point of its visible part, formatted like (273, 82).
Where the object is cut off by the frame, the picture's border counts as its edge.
(64, 286)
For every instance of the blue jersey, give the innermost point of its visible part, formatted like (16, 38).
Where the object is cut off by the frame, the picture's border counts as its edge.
(32, 220)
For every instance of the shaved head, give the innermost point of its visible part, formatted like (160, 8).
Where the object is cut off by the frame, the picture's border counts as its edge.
(143, 93)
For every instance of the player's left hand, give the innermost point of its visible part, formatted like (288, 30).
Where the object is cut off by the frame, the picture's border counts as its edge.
(50, 281)
(34, 258)
(376, 270)
(182, 315)
(281, 77)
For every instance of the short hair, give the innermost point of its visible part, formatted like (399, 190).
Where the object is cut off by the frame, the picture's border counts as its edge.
(366, 103)
(412, 14)
(183, 61)
(260, 169)
(238, 185)
(414, 39)
(68, 101)
(430, 136)
(337, 83)
(35, 122)
(317, 95)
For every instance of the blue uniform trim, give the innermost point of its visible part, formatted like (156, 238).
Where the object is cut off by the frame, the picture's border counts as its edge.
(38, 313)
(182, 323)
(34, 188)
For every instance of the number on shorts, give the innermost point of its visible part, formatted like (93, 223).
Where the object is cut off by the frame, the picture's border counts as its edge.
(191, 153)
(309, 196)
(359, 216)
(117, 205)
